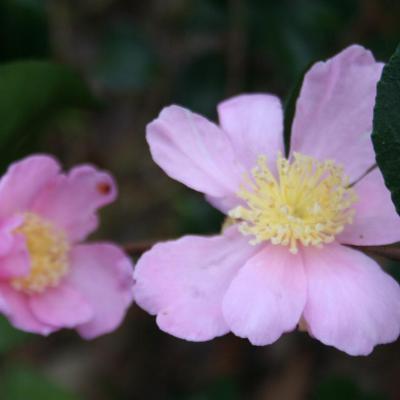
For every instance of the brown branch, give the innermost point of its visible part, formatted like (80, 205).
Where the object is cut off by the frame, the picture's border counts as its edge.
(138, 248)
(391, 252)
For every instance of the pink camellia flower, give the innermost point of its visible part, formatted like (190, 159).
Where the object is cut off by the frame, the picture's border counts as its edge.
(284, 261)
(48, 280)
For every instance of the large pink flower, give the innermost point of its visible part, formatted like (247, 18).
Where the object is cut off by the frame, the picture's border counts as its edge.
(48, 280)
(284, 262)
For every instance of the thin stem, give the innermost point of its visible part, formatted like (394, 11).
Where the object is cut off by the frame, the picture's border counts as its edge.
(391, 252)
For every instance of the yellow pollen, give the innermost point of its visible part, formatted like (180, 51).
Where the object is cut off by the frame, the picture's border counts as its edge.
(308, 203)
(48, 250)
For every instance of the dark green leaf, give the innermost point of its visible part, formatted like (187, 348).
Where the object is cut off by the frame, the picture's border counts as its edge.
(342, 388)
(31, 93)
(24, 29)
(290, 109)
(10, 337)
(127, 61)
(386, 126)
(22, 383)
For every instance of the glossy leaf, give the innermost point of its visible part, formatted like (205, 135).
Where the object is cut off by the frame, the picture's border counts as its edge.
(386, 126)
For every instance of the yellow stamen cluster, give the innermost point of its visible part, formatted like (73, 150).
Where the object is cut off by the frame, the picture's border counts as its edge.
(48, 250)
(309, 202)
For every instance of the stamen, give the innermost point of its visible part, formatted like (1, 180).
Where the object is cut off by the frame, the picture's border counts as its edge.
(309, 202)
(48, 250)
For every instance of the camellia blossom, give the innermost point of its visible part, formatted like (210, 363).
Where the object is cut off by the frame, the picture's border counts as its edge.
(284, 261)
(48, 280)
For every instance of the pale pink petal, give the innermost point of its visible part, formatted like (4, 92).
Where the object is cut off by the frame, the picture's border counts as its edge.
(19, 313)
(72, 200)
(194, 151)
(267, 296)
(352, 304)
(23, 181)
(184, 281)
(334, 111)
(61, 306)
(104, 276)
(376, 221)
(254, 123)
(224, 204)
(17, 262)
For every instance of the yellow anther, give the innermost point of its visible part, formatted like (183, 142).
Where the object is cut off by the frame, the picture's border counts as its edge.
(308, 203)
(48, 250)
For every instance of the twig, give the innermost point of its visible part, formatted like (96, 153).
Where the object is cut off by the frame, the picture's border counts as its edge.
(138, 248)
(391, 252)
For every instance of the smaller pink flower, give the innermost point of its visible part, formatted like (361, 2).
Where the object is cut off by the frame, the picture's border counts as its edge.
(287, 260)
(48, 280)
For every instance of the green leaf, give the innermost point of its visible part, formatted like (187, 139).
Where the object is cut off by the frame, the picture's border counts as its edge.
(290, 109)
(10, 337)
(127, 61)
(24, 29)
(342, 388)
(21, 382)
(386, 126)
(33, 92)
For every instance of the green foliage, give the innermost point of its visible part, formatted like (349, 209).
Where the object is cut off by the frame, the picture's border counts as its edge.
(195, 215)
(31, 93)
(23, 29)
(126, 61)
(221, 389)
(290, 110)
(20, 382)
(10, 337)
(342, 388)
(386, 126)
(201, 84)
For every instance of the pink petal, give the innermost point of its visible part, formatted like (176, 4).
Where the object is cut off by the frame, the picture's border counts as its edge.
(72, 201)
(7, 229)
(254, 124)
(334, 111)
(17, 261)
(376, 221)
(19, 312)
(194, 151)
(184, 281)
(103, 274)
(23, 181)
(267, 296)
(61, 307)
(352, 304)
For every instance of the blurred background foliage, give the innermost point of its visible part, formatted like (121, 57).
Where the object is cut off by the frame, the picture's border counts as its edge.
(80, 79)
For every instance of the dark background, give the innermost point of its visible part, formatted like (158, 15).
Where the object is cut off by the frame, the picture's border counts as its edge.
(137, 57)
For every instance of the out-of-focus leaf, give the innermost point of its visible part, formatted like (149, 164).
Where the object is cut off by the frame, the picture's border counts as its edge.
(343, 389)
(290, 110)
(223, 389)
(126, 60)
(24, 30)
(32, 92)
(386, 126)
(21, 382)
(206, 16)
(10, 337)
(202, 84)
(195, 215)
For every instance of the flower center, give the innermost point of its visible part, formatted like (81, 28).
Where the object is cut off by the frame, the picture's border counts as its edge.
(309, 203)
(48, 250)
